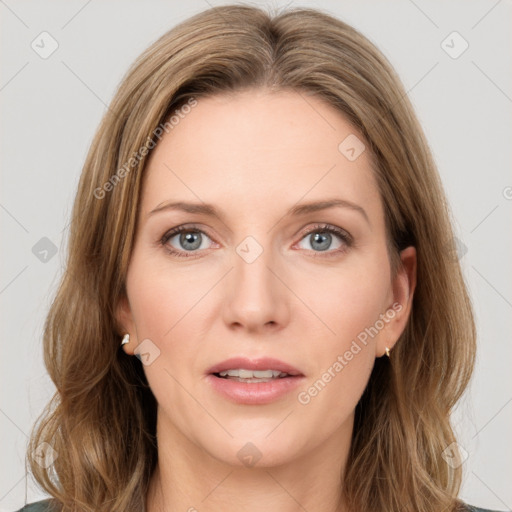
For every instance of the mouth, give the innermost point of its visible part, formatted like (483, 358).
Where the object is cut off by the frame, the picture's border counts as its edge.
(254, 382)
(244, 375)
(248, 369)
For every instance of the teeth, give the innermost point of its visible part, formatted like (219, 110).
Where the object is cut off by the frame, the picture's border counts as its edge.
(262, 374)
(252, 374)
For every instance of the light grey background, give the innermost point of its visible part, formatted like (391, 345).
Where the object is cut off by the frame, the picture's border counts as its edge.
(51, 108)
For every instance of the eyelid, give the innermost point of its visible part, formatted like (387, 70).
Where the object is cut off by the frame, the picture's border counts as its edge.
(330, 228)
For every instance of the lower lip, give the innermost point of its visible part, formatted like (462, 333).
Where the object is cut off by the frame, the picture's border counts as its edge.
(254, 393)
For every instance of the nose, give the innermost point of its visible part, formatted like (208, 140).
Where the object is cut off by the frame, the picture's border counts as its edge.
(257, 299)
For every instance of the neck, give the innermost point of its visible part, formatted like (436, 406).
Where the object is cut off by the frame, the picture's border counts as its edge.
(188, 478)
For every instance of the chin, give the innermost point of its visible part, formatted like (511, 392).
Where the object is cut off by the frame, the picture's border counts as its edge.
(257, 451)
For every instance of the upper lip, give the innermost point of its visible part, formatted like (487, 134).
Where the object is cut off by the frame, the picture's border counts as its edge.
(264, 363)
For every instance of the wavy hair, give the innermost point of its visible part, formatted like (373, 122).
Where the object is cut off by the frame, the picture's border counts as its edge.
(101, 420)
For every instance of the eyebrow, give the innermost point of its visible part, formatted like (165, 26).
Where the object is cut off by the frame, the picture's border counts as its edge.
(300, 209)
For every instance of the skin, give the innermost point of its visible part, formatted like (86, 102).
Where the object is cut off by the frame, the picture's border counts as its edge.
(255, 154)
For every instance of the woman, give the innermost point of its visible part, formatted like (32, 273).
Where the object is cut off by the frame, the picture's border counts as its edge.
(308, 353)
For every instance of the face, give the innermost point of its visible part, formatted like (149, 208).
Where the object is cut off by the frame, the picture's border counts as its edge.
(309, 288)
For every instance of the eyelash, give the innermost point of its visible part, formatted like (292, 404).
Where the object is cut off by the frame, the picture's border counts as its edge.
(320, 228)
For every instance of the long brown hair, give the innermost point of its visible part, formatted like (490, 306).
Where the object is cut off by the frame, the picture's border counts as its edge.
(101, 421)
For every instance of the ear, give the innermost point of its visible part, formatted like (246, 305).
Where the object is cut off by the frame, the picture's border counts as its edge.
(125, 322)
(403, 286)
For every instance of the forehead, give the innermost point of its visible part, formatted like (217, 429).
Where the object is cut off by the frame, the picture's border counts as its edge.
(255, 148)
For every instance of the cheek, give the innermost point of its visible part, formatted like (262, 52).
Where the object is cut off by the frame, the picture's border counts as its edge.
(163, 308)
(169, 309)
(348, 301)
(349, 307)
(343, 361)
(160, 299)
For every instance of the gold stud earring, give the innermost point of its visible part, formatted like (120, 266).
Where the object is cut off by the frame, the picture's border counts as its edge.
(387, 351)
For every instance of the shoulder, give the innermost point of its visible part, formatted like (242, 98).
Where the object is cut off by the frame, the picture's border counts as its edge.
(48, 505)
(471, 508)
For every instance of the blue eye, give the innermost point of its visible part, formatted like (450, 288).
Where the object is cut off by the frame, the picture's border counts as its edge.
(320, 238)
(192, 240)
(189, 237)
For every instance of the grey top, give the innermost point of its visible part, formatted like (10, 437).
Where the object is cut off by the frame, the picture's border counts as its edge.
(45, 506)
(39, 506)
